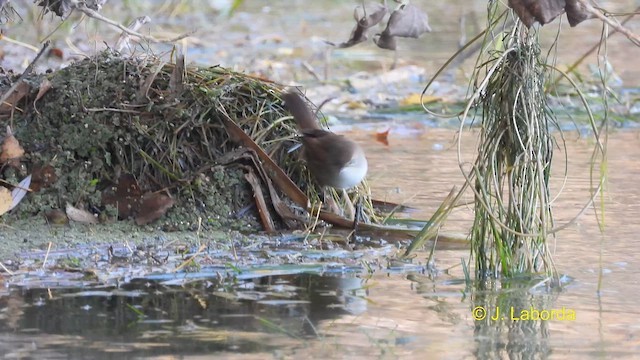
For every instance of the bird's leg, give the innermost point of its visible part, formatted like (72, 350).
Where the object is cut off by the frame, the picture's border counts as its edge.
(315, 215)
(331, 202)
(350, 210)
(358, 218)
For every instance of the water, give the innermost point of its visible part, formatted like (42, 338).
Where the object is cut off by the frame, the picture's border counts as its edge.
(349, 312)
(605, 323)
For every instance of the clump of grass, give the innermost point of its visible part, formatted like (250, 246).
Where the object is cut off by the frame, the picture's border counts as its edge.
(511, 173)
(165, 124)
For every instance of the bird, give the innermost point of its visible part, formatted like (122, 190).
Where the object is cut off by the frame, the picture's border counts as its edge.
(333, 159)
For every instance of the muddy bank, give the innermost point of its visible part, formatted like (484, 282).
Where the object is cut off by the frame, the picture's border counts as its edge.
(138, 138)
(32, 237)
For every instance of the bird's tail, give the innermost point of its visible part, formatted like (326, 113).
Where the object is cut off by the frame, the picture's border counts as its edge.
(300, 111)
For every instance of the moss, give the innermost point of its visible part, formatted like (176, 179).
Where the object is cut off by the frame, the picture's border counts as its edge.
(103, 117)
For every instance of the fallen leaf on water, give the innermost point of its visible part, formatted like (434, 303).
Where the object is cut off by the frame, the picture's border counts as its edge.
(152, 207)
(355, 105)
(383, 136)
(80, 215)
(418, 99)
(11, 149)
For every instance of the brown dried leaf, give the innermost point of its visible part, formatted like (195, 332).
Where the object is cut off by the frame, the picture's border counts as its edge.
(363, 23)
(243, 154)
(43, 177)
(80, 215)
(576, 12)
(407, 21)
(45, 86)
(56, 53)
(152, 207)
(128, 186)
(125, 196)
(542, 11)
(5, 200)
(62, 8)
(258, 195)
(56, 217)
(384, 41)
(383, 136)
(145, 83)
(11, 149)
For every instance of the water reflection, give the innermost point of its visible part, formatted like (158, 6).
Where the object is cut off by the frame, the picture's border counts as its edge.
(147, 317)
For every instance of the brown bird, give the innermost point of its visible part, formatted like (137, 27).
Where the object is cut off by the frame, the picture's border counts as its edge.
(333, 159)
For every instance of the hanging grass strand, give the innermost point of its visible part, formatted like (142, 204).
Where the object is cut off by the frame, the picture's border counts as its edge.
(511, 171)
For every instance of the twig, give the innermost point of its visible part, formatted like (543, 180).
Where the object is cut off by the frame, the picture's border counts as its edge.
(95, 15)
(310, 70)
(19, 43)
(592, 49)
(5, 269)
(614, 24)
(26, 72)
(190, 259)
(44, 263)
(112, 109)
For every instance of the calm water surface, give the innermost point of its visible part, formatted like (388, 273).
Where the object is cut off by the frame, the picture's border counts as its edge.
(605, 324)
(395, 312)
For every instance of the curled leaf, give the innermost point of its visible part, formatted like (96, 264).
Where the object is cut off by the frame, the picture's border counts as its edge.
(11, 149)
(80, 215)
(577, 12)
(363, 23)
(542, 11)
(406, 21)
(56, 217)
(152, 207)
(18, 193)
(45, 86)
(384, 41)
(62, 8)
